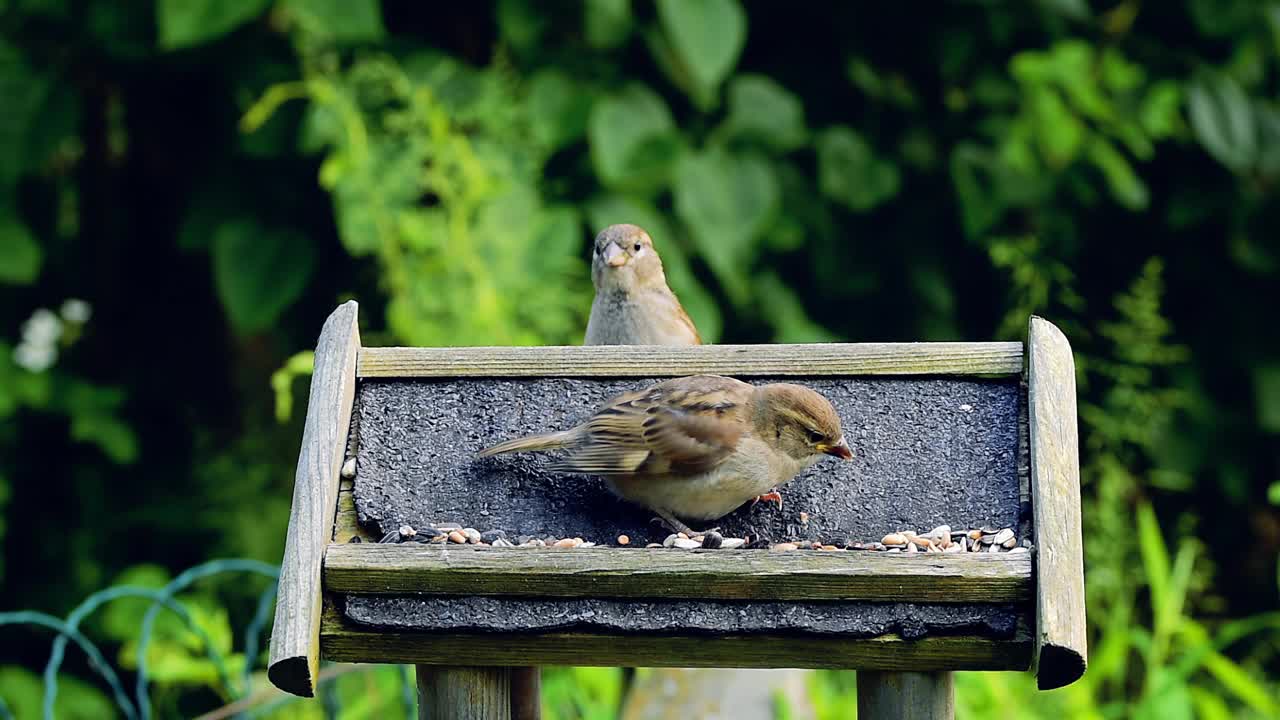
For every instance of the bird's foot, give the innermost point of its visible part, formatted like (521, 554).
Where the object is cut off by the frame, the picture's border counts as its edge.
(771, 496)
(675, 525)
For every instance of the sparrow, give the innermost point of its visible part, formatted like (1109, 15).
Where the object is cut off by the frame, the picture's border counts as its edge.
(696, 447)
(633, 305)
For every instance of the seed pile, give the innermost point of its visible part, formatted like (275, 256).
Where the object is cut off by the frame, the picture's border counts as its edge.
(941, 539)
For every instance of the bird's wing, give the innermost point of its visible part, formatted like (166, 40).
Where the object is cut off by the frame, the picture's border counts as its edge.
(683, 318)
(685, 425)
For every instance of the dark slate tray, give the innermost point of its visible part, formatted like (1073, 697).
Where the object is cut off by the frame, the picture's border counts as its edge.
(928, 451)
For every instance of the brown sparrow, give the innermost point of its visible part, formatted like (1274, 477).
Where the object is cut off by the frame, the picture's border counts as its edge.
(696, 447)
(633, 305)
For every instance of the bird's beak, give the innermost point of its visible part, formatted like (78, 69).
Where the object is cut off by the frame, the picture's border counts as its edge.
(614, 256)
(839, 449)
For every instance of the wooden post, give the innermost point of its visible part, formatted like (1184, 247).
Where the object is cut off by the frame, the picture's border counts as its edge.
(464, 693)
(526, 693)
(1061, 653)
(905, 696)
(295, 638)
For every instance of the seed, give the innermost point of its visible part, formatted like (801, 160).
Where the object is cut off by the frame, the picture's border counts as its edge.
(1018, 550)
(568, 543)
(911, 548)
(503, 542)
(828, 547)
(975, 534)
(942, 531)
(994, 548)
(783, 546)
(683, 535)
(1009, 544)
(492, 536)
(988, 530)
(348, 468)
(687, 543)
(407, 531)
(447, 527)
(953, 548)
(587, 544)
(732, 543)
(923, 542)
(391, 537)
(1003, 537)
(804, 518)
(895, 540)
(712, 540)
(456, 536)
(624, 540)
(670, 541)
(653, 545)
(897, 550)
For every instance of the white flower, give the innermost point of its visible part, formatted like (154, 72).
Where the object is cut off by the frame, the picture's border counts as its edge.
(77, 311)
(42, 329)
(34, 358)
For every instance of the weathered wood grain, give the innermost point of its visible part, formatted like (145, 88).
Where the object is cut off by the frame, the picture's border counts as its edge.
(1002, 358)
(295, 648)
(526, 693)
(662, 573)
(343, 641)
(346, 524)
(464, 693)
(1060, 643)
(911, 695)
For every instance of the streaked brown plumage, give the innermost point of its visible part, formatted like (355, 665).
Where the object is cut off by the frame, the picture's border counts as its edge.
(697, 447)
(633, 305)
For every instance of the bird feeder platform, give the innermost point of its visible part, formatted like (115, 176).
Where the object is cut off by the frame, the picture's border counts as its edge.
(961, 434)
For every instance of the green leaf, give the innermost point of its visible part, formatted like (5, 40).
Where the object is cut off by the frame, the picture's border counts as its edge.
(1126, 187)
(1266, 393)
(187, 23)
(607, 210)
(727, 201)
(259, 272)
(763, 110)
(346, 22)
(706, 37)
(20, 254)
(520, 23)
(1222, 119)
(780, 305)
(23, 693)
(633, 139)
(850, 173)
(558, 109)
(608, 22)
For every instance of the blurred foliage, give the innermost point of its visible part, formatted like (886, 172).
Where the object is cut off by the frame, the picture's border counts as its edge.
(188, 188)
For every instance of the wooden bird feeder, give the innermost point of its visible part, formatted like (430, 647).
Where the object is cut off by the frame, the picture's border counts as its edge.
(963, 434)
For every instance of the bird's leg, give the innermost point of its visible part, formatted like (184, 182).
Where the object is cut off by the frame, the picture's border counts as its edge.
(771, 496)
(674, 523)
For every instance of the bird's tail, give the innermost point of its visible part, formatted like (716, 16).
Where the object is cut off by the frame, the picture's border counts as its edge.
(532, 443)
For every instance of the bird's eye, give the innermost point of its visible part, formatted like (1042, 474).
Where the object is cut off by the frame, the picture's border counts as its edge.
(638, 246)
(814, 436)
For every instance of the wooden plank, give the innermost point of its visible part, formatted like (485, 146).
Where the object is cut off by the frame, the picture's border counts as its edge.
(1060, 643)
(295, 648)
(526, 693)
(894, 695)
(464, 693)
(1002, 358)
(689, 575)
(344, 641)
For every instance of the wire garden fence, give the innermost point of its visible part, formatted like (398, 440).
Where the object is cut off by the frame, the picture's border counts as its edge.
(138, 705)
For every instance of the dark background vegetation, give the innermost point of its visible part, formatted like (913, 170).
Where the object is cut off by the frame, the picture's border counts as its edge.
(212, 177)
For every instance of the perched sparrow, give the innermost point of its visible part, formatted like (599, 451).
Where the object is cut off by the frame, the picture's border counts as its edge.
(633, 305)
(697, 447)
